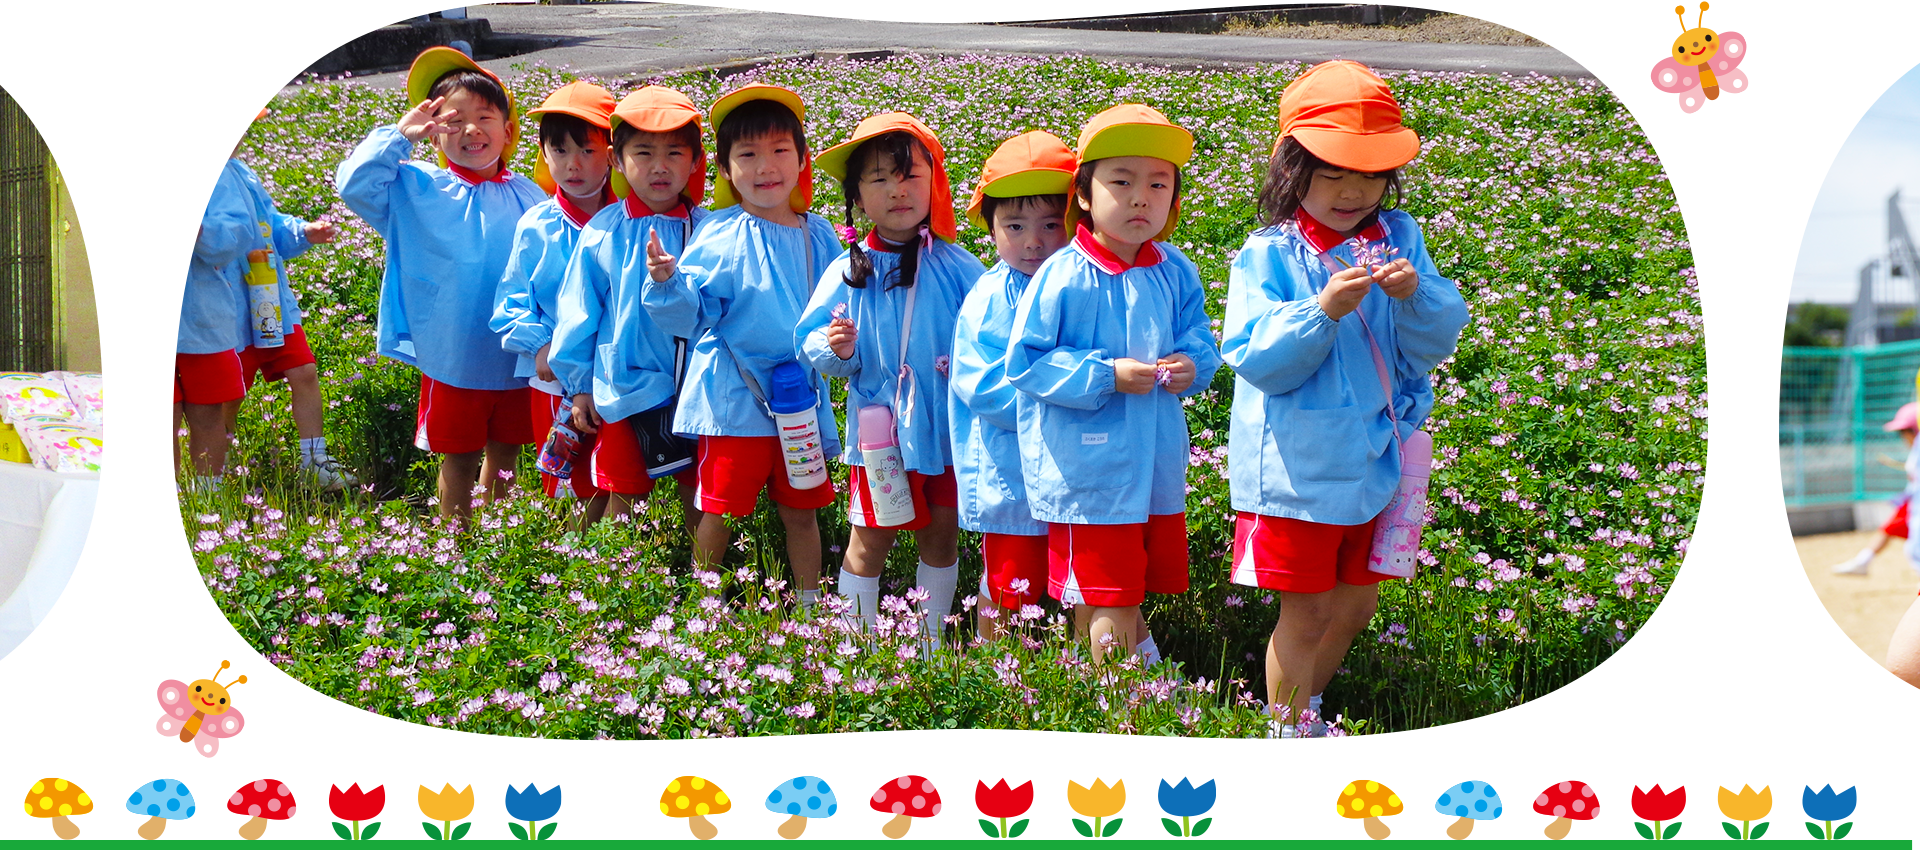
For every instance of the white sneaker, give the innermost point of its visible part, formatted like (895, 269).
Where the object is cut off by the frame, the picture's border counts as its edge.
(330, 474)
(1854, 566)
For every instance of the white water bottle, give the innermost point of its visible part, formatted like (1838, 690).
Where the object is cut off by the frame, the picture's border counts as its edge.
(794, 419)
(1396, 533)
(888, 490)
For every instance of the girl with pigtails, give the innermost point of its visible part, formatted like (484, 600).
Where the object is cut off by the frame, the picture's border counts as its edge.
(882, 318)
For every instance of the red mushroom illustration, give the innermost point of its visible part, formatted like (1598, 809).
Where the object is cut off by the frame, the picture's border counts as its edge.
(1567, 802)
(261, 801)
(906, 798)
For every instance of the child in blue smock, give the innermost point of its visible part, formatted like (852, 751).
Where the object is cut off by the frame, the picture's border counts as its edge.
(206, 360)
(739, 290)
(1108, 339)
(1021, 200)
(285, 237)
(1317, 328)
(900, 284)
(449, 229)
(617, 365)
(573, 165)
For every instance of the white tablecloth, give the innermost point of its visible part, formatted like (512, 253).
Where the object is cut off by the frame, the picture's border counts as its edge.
(50, 620)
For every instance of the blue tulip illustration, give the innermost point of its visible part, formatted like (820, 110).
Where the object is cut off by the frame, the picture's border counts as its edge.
(1186, 803)
(1828, 807)
(533, 807)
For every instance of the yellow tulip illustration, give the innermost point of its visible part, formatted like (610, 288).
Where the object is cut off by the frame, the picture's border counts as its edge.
(1100, 801)
(446, 806)
(1746, 807)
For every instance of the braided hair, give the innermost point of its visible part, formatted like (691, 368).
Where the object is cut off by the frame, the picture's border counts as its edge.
(900, 148)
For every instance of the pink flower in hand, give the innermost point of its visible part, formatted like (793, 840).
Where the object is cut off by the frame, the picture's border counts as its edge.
(941, 363)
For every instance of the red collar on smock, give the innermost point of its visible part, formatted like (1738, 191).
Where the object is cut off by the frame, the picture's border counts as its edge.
(473, 177)
(876, 242)
(637, 208)
(572, 210)
(1323, 238)
(1105, 259)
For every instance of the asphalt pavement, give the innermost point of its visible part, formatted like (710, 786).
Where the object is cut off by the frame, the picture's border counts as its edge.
(614, 40)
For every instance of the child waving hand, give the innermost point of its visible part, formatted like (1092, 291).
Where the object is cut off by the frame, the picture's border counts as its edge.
(1335, 315)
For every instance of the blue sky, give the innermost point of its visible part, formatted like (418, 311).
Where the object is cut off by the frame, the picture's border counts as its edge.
(1849, 135)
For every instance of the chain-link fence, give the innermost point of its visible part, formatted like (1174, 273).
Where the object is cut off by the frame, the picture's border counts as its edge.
(1833, 402)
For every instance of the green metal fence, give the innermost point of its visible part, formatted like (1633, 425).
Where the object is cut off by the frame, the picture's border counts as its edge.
(1833, 402)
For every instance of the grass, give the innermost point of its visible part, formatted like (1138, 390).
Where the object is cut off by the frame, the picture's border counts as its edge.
(1570, 435)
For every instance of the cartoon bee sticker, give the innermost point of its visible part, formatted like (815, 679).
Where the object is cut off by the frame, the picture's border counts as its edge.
(1702, 63)
(200, 713)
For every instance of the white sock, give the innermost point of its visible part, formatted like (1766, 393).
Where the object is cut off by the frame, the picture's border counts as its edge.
(865, 593)
(206, 483)
(1147, 650)
(939, 583)
(312, 450)
(1313, 704)
(809, 599)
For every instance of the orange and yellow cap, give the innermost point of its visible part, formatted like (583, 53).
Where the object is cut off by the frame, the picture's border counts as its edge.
(582, 100)
(1344, 114)
(436, 62)
(1035, 163)
(1134, 129)
(658, 109)
(833, 161)
(723, 196)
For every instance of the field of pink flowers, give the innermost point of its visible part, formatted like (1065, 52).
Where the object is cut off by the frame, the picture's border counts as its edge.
(1570, 435)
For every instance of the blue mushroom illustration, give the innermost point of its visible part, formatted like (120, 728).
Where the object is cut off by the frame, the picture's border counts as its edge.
(532, 806)
(1468, 801)
(1827, 807)
(800, 798)
(1186, 802)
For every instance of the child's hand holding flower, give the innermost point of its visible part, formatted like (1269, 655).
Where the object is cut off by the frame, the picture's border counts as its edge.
(1397, 279)
(1175, 373)
(840, 333)
(1134, 377)
(1344, 290)
(320, 232)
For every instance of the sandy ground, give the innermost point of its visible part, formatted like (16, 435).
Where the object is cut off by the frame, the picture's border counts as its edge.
(1439, 29)
(1838, 716)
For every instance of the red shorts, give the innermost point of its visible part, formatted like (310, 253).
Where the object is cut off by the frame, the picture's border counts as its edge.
(1011, 557)
(942, 490)
(1116, 566)
(207, 378)
(1297, 556)
(620, 467)
(545, 405)
(733, 471)
(275, 363)
(453, 420)
(1897, 524)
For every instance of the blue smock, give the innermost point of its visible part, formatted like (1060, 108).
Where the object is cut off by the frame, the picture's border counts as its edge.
(606, 342)
(985, 417)
(1093, 455)
(447, 246)
(945, 274)
(210, 320)
(744, 281)
(1311, 438)
(285, 234)
(526, 306)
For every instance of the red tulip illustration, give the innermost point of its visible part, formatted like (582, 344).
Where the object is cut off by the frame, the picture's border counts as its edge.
(356, 805)
(1000, 801)
(1658, 806)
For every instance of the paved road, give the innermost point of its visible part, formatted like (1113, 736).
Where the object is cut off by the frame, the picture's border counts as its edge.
(624, 39)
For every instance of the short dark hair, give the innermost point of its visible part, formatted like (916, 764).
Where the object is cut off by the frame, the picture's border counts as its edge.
(687, 134)
(1083, 182)
(483, 86)
(1048, 204)
(755, 119)
(558, 126)
(1290, 175)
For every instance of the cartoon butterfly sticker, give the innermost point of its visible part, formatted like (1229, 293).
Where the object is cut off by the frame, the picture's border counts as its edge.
(201, 713)
(1703, 63)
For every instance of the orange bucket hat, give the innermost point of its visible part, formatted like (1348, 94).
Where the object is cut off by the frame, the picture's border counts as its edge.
(216, 94)
(940, 217)
(1345, 115)
(436, 62)
(582, 100)
(1133, 129)
(658, 109)
(723, 196)
(1035, 163)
